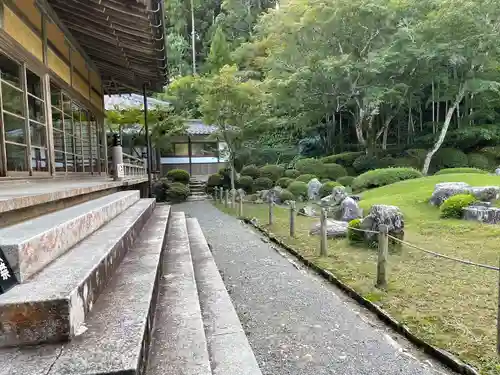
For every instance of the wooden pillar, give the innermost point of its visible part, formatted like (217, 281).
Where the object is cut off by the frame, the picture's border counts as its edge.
(190, 153)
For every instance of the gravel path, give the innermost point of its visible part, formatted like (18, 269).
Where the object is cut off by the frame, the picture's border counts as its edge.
(296, 323)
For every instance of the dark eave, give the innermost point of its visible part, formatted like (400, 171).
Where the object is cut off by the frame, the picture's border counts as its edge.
(123, 38)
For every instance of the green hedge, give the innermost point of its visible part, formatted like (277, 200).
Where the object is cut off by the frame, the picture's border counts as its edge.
(250, 170)
(480, 161)
(305, 178)
(460, 170)
(284, 182)
(345, 159)
(298, 189)
(271, 171)
(452, 208)
(292, 173)
(178, 175)
(346, 180)
(382, 177)
(263, 183)
(286, 195)
(333, 171)
(449, 158)
(310, 166)
(354, 236)
(417, 155)
(177, 192)
(365, 163)
(245, 183)
(326, 188)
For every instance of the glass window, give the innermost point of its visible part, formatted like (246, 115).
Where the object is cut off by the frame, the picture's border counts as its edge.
(38, 134)
(68, 124)
(203, 149)
(39, 160)
(16, 158)
(14, 128)
(12, 99)
(181, 149)
(10, 71)
(57, 122)
(33, 84)
(70, 144)
(60, 162)
(56, 96)
(36, 110)
(58, 140)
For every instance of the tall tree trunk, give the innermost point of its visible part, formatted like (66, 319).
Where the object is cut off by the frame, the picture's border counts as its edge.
(193, 39)
(233, 172)
(444, 129)
(433, 111)
(384, 138)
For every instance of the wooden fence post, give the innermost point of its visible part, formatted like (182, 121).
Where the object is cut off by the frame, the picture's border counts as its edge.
(323, 251)
(292, 219)
(271, 213)
(240, 213)
(383, 251)
(226, 198)
(233, 198)
(221, 194)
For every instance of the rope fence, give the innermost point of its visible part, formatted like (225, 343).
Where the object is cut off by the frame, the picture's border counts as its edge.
(383, 237)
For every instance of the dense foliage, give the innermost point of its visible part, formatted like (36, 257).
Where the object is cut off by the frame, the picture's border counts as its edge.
(327, 188)
(461, 170)
(382, 177)
(298, 189)
(178, 175)
(453, 207)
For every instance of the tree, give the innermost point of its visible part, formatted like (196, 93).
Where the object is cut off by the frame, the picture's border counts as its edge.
(219, 52)
(232, 106)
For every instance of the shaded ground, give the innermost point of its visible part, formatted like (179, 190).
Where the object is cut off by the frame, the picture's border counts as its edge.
(297, 324)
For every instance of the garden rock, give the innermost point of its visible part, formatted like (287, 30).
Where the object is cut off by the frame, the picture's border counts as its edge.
(497, 171)
(488, 215)
(349, 210)
(357, 198)
(334, 229)
(335, 199)
(313, 188)
(308, 211)
(381, 214)
(486, 193)
(445, 190)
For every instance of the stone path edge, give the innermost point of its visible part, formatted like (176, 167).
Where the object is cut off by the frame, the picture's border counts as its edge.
(441, 355)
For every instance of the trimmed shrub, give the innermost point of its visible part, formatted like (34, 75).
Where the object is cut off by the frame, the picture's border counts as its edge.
(177, 192)
(263, 183)
(333, 171)
(225, 173)
(452, 208)
(324, 180)
(273, 172)
(353, 235)
(305, 178)
(246, 183)
(284, 182)
(408, 162)
(382, 177)
(345, 159)
(365, 163)
(480, 161)
(310, 166)
(160, 190)
(214, 180)
(417, 154)
(492, 153)
(298, 189)
(286, 195)
(460, 170)
(449, 158)
(178, 175)
(250, 170)
(345, 180)
(292, 173)
(327, 188)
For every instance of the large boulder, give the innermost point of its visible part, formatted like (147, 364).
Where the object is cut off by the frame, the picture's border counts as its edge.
(488, 215)
(313, 188)
(497, 171)
(445, 190)
(486, 193)
(381, 214)
(335, 198)
(349, 210)
(334, 229)
(308, 211)
(269, 195)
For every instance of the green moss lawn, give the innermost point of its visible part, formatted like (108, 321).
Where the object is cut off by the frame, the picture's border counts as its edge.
(451, 305)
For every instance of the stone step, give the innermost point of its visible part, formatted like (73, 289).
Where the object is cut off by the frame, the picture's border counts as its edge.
(224, 333)
(53, 305)
(119, 328)
(179, 346)
(31, 245)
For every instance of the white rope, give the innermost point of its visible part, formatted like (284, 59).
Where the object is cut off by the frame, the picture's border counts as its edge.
(467, 262)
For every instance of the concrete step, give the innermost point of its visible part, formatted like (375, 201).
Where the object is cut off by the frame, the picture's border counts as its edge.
(53, 305)
(31, 245)
(119, 328)
(179, 346)
(230, 352)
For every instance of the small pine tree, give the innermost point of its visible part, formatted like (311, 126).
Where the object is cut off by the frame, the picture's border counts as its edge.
(219, 51)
